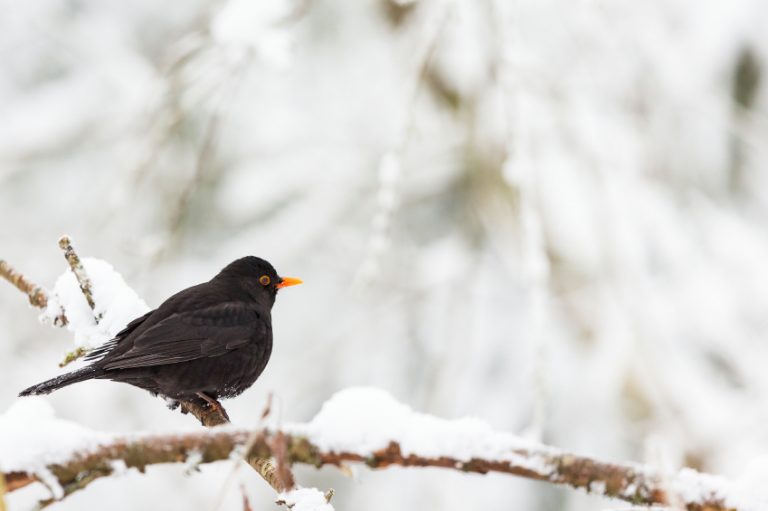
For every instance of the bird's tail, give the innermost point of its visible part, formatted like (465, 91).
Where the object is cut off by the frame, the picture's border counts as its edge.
(86, 373)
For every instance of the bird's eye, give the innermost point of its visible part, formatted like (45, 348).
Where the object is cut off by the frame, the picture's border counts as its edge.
(264, 280)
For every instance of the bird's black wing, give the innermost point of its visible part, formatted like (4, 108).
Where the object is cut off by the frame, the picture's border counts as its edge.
(108, 346)
(185, 336)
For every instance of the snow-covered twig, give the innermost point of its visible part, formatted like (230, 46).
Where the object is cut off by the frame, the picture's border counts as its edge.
(37, 295)
(77, 268)
(391, 163)
(629, 482)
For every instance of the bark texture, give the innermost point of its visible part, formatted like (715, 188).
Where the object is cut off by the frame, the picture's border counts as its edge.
(627, 482)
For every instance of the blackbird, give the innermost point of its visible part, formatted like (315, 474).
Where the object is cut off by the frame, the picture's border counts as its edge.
(207, 342)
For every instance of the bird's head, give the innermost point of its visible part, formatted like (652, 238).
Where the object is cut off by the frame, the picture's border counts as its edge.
(257, 277)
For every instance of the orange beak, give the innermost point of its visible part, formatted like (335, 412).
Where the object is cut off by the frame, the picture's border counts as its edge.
(288, 281)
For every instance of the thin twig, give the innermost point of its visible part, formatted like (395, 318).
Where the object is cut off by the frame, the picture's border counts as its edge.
(267, 470)
(279, 447)
(394, 158)
(77, 268)
(267, 407)
(73, 355)
(86, 287)
(277, 474)
(628, 482)
(36, 294)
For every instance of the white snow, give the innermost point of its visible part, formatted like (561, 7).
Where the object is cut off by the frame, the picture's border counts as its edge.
(693, 486)
(597, 487)
(747, 493)
(193, 461)
(50, 481)
(119, 467)
(363, 420)
(749, 490)
(116, 304)
(255, 25)
(304, 499)
(31, 437)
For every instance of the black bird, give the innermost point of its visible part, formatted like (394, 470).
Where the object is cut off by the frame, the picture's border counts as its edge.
(207, 342)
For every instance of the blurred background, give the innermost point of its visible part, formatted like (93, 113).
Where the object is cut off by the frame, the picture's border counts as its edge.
(547, 214)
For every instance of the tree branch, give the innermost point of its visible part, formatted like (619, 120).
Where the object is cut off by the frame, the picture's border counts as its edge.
(276, 473)
(36, 294)
(628, 482)
(207, 415)
(80, 274)
(85, 287)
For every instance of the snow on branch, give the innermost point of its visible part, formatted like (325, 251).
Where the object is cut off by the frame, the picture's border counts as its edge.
(96, 300)
(91, 299)
(364, 426)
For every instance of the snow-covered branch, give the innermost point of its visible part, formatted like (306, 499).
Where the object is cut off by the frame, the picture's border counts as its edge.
(367, 426)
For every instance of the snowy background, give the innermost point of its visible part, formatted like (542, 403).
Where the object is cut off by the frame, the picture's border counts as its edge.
(552, 215)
